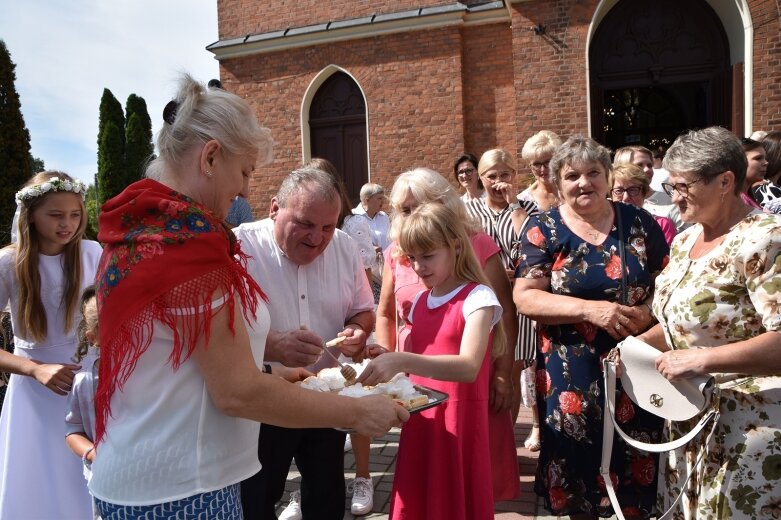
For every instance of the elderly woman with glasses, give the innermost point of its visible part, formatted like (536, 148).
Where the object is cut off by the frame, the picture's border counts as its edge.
(719, 308)
(465, 172)
(586, 296)
(537, 152)
(629, 184)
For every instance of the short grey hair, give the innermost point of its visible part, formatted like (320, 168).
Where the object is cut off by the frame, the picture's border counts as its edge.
(578, 149)
(369, 190)
(708, 153)
(313, 180)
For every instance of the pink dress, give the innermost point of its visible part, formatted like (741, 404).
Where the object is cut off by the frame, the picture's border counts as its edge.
(443, 466)
(668, 228)
(506, 481)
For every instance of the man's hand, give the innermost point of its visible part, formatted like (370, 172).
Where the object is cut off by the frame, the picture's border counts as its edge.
(354, 343)
(377, 415)
(294, 348)
(373, 350)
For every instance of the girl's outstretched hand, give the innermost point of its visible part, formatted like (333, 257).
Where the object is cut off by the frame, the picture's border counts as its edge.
(382, 368)
(57, 378)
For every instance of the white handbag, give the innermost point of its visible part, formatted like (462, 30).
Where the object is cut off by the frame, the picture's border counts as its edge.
(675, 401)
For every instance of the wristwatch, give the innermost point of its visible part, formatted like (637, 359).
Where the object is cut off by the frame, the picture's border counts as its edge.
(515, 206)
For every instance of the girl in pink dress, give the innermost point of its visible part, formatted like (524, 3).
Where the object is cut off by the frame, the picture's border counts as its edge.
(401, 284)
(443, 468)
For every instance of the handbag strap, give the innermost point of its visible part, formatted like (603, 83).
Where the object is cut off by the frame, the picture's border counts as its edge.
(622, 255)
(610, 425)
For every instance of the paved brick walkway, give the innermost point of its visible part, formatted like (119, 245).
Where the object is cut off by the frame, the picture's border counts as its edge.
(383, 460)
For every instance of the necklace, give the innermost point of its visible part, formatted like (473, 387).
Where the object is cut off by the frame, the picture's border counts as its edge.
(593, 230)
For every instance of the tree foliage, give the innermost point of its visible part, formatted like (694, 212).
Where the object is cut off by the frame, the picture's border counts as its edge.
(138, 138)
(111, 148)
(38, 165)
(111, 162)
(92, 213)
(14, 143)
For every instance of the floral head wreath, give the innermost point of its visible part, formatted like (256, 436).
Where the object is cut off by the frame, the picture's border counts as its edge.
(50, 186)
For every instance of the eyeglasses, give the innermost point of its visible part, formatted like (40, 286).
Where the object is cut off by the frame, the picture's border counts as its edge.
(466, 172)
(634, 191)
(539, 165)
(681, 187)
(502, 177)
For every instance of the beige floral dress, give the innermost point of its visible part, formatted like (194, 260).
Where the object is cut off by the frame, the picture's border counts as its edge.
(731, 294)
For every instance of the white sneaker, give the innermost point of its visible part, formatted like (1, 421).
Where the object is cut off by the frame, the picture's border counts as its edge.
(293, 509)
(348, 444)
(363, 496)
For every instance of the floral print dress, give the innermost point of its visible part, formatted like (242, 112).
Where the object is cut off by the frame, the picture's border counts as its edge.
(730, 294)
(569, 364)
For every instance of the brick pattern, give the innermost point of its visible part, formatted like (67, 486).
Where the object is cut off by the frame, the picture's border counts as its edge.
(395, 72)
(434, 94)
(766, 18)
(242, 17)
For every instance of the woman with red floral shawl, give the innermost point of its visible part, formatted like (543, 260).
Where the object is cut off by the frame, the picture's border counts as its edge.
(183, 329)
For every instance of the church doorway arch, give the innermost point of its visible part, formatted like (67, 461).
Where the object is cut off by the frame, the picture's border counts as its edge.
(659, 67)
(337, 130)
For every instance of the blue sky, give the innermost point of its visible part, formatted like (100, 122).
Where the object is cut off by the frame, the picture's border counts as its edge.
(67, 52)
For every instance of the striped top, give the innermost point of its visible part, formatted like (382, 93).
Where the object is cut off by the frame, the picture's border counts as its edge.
(499, 226)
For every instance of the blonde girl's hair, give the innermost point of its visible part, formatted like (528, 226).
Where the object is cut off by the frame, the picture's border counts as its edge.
(426, 186)
(88, 322)
(432, 226)
(632, 173)
(32, 319)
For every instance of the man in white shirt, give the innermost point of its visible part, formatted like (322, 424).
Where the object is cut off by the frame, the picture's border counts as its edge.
(317, 289)
(370, 207)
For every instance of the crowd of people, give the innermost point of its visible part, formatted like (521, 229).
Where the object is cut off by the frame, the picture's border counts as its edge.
(153, 374)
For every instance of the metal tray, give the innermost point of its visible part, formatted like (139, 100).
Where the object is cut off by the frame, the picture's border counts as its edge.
(435, 397)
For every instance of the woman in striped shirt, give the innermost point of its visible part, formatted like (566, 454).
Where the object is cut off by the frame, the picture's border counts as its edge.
(502, 217)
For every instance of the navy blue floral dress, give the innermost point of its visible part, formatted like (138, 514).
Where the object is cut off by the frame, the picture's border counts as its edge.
(569, 364)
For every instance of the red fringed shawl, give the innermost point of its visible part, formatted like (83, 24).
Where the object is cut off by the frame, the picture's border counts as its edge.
(161, 251)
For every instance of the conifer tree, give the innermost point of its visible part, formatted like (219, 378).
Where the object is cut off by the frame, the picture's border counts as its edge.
(111, 177)
(138, 138)
(14, 143)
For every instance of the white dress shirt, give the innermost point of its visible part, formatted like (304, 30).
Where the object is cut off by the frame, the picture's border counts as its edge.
(322, 295)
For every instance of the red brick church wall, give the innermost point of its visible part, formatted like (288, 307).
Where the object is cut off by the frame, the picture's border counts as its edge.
(433, 94)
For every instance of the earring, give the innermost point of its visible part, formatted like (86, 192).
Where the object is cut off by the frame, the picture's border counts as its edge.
(723, 193)
(209, 174)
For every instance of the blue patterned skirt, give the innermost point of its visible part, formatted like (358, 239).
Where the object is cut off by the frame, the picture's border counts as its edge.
(222, 504)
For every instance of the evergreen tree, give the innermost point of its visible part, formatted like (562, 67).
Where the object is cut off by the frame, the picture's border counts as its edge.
(92, 213)
(38, 165)
(138, 138)
(111, 148)
(111, 163)
(14, 144)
